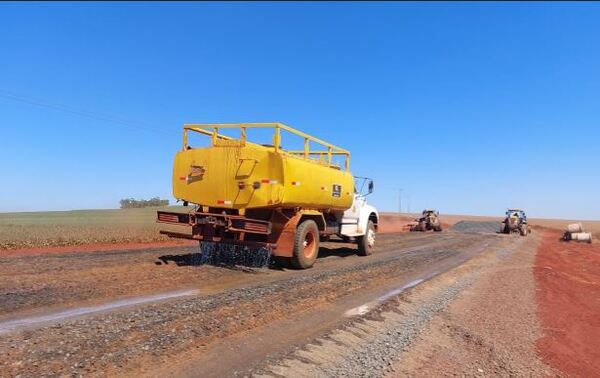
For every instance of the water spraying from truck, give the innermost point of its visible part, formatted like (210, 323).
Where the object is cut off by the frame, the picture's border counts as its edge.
(256, 201)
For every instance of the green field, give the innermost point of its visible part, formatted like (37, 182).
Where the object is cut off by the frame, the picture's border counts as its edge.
(64, 228)
(79, 227)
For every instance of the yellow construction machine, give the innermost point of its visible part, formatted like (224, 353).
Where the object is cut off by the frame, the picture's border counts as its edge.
(255, 198)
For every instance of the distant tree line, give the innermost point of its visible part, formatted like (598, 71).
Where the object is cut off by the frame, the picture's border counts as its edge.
(130, 203)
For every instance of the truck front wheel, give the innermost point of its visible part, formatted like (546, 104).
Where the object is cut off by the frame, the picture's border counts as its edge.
(306, 245)
(366, 243)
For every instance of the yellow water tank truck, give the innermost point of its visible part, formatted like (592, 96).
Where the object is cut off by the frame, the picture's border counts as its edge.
(259, 195)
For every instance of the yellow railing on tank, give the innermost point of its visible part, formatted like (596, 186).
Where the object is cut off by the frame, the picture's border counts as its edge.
(212, 130)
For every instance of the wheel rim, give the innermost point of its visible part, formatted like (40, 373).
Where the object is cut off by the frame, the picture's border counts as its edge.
(309, 245)
(371, 238)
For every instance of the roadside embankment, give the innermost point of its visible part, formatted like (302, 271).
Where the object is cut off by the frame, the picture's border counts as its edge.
(568, 299)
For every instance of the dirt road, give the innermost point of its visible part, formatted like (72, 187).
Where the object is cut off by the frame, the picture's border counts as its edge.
(155, 312)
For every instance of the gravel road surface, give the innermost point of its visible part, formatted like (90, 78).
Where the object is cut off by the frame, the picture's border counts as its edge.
(235, 322)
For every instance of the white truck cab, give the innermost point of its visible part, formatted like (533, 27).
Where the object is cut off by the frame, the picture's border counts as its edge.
(361, 220)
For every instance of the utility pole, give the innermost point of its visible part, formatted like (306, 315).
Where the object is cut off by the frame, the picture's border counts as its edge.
(399, 200)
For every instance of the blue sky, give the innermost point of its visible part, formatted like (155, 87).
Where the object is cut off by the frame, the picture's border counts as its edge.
(469, 107)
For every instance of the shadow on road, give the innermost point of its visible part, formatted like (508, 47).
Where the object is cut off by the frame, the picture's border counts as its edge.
(339, 252)
(186, 259)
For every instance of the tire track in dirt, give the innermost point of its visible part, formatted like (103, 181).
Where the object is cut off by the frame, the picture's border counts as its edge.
(88, 279)
(281, 335)
(134, 339)
(411, 324)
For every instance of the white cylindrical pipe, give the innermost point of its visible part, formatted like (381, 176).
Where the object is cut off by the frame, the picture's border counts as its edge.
(575, 227)
(582, 236)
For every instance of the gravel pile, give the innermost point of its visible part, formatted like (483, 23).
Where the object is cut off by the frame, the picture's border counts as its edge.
(476, 227)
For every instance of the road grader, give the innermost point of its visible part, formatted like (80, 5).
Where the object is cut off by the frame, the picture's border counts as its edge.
(429, 220)
(253, 198)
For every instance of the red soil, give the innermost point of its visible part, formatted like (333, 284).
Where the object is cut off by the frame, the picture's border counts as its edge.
(388, 224)
(97, 247)
(568, 298)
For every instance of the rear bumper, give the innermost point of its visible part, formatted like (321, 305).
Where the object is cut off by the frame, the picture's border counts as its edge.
(214, 227)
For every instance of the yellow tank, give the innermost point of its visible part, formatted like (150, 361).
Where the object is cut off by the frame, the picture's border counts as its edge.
(237, 174)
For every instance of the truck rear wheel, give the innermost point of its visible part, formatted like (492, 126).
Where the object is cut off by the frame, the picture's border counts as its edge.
(366, 243)
(306, 245)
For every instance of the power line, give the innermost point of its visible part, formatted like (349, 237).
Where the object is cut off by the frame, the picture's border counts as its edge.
(81, 112)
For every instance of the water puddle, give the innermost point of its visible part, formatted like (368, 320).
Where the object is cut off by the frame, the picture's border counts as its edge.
(33, 321)
(364, 308)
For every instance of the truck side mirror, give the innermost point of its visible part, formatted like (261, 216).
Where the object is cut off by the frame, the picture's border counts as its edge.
(370, 187)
